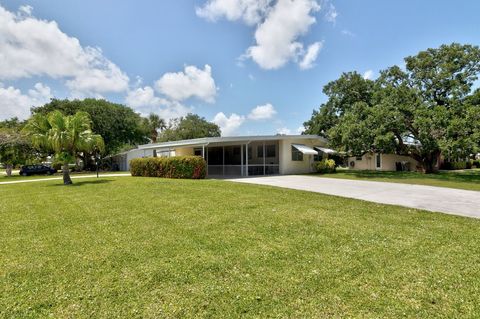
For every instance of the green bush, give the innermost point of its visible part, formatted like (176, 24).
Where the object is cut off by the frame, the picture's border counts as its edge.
(193, 167)
(457, 165)
(476, 163)
(325, 166)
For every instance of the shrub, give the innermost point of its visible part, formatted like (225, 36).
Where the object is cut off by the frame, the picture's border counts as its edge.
(325, 166)
(456, 165)
(193, 167)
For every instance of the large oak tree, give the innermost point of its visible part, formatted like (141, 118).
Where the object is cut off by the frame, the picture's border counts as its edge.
(424, 110)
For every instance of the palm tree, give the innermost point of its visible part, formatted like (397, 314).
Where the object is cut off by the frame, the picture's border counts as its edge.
(65, 136)
(154, 123)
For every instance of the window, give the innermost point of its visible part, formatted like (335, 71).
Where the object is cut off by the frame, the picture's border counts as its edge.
(271, 150)
(296, 155)
(260, 151)
(198, 152)
(250, 155)
(358, 158)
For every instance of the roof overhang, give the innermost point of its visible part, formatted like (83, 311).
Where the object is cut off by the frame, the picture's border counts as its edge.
(305, 149)
(228, 139)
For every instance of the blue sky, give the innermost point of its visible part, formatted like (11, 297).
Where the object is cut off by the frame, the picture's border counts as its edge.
(220, 59)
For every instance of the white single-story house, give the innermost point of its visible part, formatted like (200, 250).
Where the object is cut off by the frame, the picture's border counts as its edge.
(382, 162)
(241, 155)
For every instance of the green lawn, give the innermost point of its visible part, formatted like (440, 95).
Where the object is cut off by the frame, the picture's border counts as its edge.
(17, 177)
(150, 248)
(467, 179)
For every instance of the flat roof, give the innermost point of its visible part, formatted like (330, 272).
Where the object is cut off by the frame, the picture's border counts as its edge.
(207, 140)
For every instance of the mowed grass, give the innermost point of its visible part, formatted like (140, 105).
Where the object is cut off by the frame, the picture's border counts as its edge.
(150, 248)
(17, 177)
(465, 179)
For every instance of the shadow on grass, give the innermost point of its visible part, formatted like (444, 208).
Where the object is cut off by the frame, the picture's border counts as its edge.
(81, 183)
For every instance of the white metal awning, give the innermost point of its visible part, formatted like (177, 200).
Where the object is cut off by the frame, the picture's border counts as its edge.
(325, 150)
(305, 149)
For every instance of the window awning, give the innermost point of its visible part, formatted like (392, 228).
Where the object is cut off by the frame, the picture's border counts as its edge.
(305, 149)
(325, 150)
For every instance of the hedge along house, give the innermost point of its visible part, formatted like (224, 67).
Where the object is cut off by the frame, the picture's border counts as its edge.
(241, 155)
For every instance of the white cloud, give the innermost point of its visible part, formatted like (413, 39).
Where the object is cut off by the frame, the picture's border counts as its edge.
(284, 131)
(348, 33)
(34, 47)
(249, 11)
(13, 103)
(276, 38)
(331, 14)
(368, 75)
(310, 56)
(228, 125)
(279, 24)
(300, 129)
(192, 82)
(262, 112)
(143, 97)
(145, 101)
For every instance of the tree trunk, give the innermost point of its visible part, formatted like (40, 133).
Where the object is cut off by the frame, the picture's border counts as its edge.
(66, 175)
(8, 169)
(431, 162)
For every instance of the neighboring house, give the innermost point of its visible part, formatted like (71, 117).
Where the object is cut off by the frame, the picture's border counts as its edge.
(241, 155)
(382, 162)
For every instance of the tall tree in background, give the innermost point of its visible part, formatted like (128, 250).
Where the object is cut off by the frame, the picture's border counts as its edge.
(188, 127)
(422, 111)
(15, 148)
(64, 136)
(154, 123)
(119, 125)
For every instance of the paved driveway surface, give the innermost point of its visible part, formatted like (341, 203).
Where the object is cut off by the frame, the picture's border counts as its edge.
(435, 199)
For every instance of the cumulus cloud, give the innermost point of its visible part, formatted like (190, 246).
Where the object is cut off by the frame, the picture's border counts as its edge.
(34, 47)
(171, 90)
(276, 38)
(284, 131)
(230, 124)
(368, 75)
(145, 101)
(279, 25)
(192, 82)
(14, 103)
(310, 56)
(249, 11)
(262, 112)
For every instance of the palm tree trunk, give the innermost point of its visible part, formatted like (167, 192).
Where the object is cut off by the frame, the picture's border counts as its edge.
(66, 175)
(8, 169)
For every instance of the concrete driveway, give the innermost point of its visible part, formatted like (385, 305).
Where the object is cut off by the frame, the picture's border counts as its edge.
(435, 199)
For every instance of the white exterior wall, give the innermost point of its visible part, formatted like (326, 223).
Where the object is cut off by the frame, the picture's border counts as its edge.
(287, 166)
(388, 161)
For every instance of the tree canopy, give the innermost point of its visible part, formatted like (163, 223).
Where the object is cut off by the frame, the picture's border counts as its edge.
(15, 148)
(188, 127)
(424, 110)
(117, 124)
